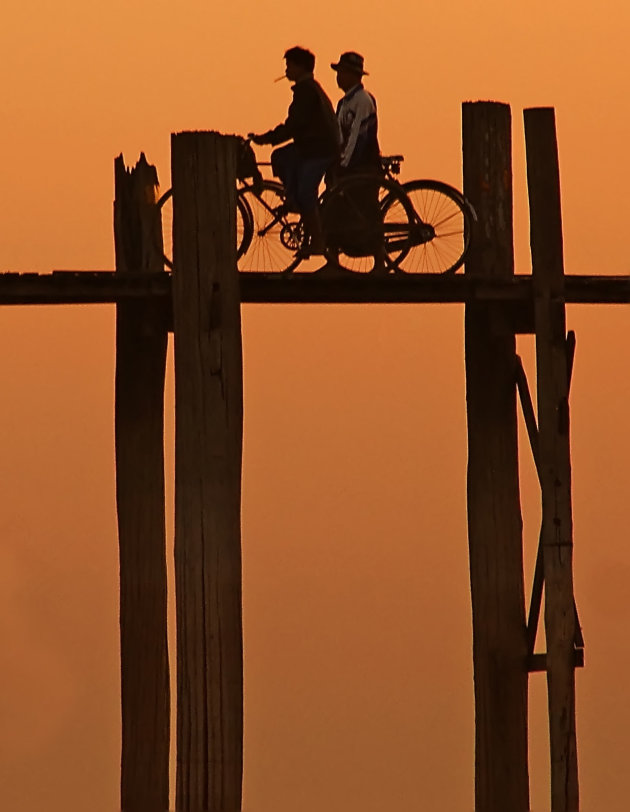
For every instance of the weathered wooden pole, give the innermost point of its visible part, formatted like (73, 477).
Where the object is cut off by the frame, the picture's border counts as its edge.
(208, 445)
(494, 516)
(141, 337)
(543, 180)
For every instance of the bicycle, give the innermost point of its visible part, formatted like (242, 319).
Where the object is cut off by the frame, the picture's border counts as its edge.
(371, 222)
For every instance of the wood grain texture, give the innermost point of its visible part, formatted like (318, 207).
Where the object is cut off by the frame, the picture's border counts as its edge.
(543, 178)
(141, 338)
(208, 450)
(494, 517)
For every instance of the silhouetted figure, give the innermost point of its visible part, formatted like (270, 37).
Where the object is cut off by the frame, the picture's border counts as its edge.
(312, 125)
(360, 153)
(357, 116)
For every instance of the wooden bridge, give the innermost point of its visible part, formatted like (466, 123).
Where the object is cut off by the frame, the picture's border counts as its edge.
(200, 303)
(110, 287)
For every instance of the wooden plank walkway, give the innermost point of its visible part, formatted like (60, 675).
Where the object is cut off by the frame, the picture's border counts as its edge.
(94, 287)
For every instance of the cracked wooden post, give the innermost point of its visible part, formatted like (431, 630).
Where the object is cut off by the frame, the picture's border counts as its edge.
(543, 179)
(494, 516)
(208, 445)
(141, 337)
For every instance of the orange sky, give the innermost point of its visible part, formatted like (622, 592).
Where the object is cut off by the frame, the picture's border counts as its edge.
(356, 604)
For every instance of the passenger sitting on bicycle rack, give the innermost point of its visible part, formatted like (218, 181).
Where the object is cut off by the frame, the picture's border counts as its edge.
(360, 154)
(312, 125)
(357, 117)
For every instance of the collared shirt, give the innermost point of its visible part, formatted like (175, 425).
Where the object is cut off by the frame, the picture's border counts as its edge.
(358, 125)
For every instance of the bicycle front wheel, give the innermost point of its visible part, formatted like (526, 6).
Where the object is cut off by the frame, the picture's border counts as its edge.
(443, 230)
(244, 226)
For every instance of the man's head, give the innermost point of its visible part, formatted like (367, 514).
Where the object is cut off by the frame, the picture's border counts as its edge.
(300, 62)
(349, 69)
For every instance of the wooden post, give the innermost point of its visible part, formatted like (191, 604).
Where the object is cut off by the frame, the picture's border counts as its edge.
(494, 517)
(141, 337)
(554, 450)
(208, 446)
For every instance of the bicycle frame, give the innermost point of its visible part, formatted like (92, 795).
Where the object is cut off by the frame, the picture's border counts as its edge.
(423, 226)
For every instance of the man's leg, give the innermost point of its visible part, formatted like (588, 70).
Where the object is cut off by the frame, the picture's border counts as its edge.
(310, 176)
(285, 165)
(314, 242)
(368, 203)
(380, 266)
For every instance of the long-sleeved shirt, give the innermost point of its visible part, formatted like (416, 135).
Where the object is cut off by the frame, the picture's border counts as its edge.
(311, 122)
(358, 125)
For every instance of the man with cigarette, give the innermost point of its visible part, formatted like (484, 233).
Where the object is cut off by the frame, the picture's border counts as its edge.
(311, 125)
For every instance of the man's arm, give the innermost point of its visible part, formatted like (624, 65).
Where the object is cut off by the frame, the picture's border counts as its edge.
(298, 119)
(277, 135)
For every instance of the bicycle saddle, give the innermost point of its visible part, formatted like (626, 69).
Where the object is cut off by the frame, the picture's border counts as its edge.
(391, 163)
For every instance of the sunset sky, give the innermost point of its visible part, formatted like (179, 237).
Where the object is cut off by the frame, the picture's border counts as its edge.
(358, 663)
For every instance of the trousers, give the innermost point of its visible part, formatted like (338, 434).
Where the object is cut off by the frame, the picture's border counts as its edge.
(300, 176)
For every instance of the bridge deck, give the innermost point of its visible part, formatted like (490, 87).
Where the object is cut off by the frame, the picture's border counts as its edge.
(93, 287)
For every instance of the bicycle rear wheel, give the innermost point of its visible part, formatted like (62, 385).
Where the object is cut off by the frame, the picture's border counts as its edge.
(443, 230)
(367, 220)
(244, 226)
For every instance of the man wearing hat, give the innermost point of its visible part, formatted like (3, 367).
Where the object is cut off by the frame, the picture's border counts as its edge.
(356, 114)
(360, 152)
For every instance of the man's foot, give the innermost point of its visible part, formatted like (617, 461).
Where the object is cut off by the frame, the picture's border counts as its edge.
(315, 242)
(333, 270)
(285, 208)
(380, 268)
(310, 249)
(317, 248)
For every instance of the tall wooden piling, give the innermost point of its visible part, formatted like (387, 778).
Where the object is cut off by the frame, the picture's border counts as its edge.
(543, 180)
(141, 337)
(208, 444)
(494, 518)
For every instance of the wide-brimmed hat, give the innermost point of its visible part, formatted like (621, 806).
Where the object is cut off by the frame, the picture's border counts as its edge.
(350, 60)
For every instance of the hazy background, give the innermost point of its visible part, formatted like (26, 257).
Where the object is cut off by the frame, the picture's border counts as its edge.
(356, 597)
